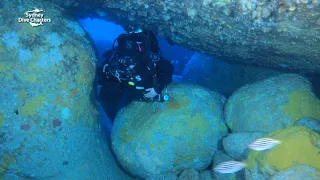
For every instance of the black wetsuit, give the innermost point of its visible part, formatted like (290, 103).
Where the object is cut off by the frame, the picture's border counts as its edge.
(114, 94)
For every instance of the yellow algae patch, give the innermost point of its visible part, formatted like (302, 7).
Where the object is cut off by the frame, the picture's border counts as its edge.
(302, 104)
(64, 85)
(199, 122)
(181, 159)
(82, 111)
(22, 94)
(126, 137)
(213, 107)
(5, 66)
(161, 144)
(68, 50)
(29, 77)
(83, 79)
(2, 119)
(35, 54)
(28, 30)
(1, 47)
(318, 174)
(175, 104)
(32, 105)
(57, 100)
(83, 167)
(6, 161)
(299, 145)
(2, 68)
(85, 75)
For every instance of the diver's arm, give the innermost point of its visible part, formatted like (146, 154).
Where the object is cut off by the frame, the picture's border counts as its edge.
(164, 74)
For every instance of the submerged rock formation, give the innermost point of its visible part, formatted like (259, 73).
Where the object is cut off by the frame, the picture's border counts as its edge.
(299, 146)
(236, 144)
(283, 108)
(48, 123)
(271, 104)
(182, 133)
(270, 33)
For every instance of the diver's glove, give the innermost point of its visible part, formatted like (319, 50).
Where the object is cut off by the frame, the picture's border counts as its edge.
(151, 93)
(158, 97)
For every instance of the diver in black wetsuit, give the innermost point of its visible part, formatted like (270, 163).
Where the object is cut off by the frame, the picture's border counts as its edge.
(134, 70)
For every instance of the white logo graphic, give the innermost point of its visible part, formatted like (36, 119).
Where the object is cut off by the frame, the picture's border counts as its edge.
(35, 18)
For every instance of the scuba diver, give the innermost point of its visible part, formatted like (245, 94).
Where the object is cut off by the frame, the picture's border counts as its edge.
(133, 70)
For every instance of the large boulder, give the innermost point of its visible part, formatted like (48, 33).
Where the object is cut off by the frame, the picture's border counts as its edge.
(48, 123)
(271, 104)
(182, 133)
(299, 145)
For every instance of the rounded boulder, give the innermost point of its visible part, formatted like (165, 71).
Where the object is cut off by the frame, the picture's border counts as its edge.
(181, 133)
(48, 121)
(271, 104)
(236, 144)
(298, 145)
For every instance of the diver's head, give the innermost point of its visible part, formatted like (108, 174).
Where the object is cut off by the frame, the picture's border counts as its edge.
(140, 38)
(154, 40)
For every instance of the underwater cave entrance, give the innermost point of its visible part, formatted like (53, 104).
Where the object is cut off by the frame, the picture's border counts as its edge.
(103, 33)
(224, 74)
(222, 77)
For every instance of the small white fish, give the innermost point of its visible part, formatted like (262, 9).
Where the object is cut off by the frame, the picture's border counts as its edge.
(230, 167)
(263, 144)
(36, 10)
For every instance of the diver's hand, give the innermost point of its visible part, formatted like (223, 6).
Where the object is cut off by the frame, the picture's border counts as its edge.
(151, 93)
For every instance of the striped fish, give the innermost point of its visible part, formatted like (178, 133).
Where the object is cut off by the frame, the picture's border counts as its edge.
(263, 144)
(229, 167)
